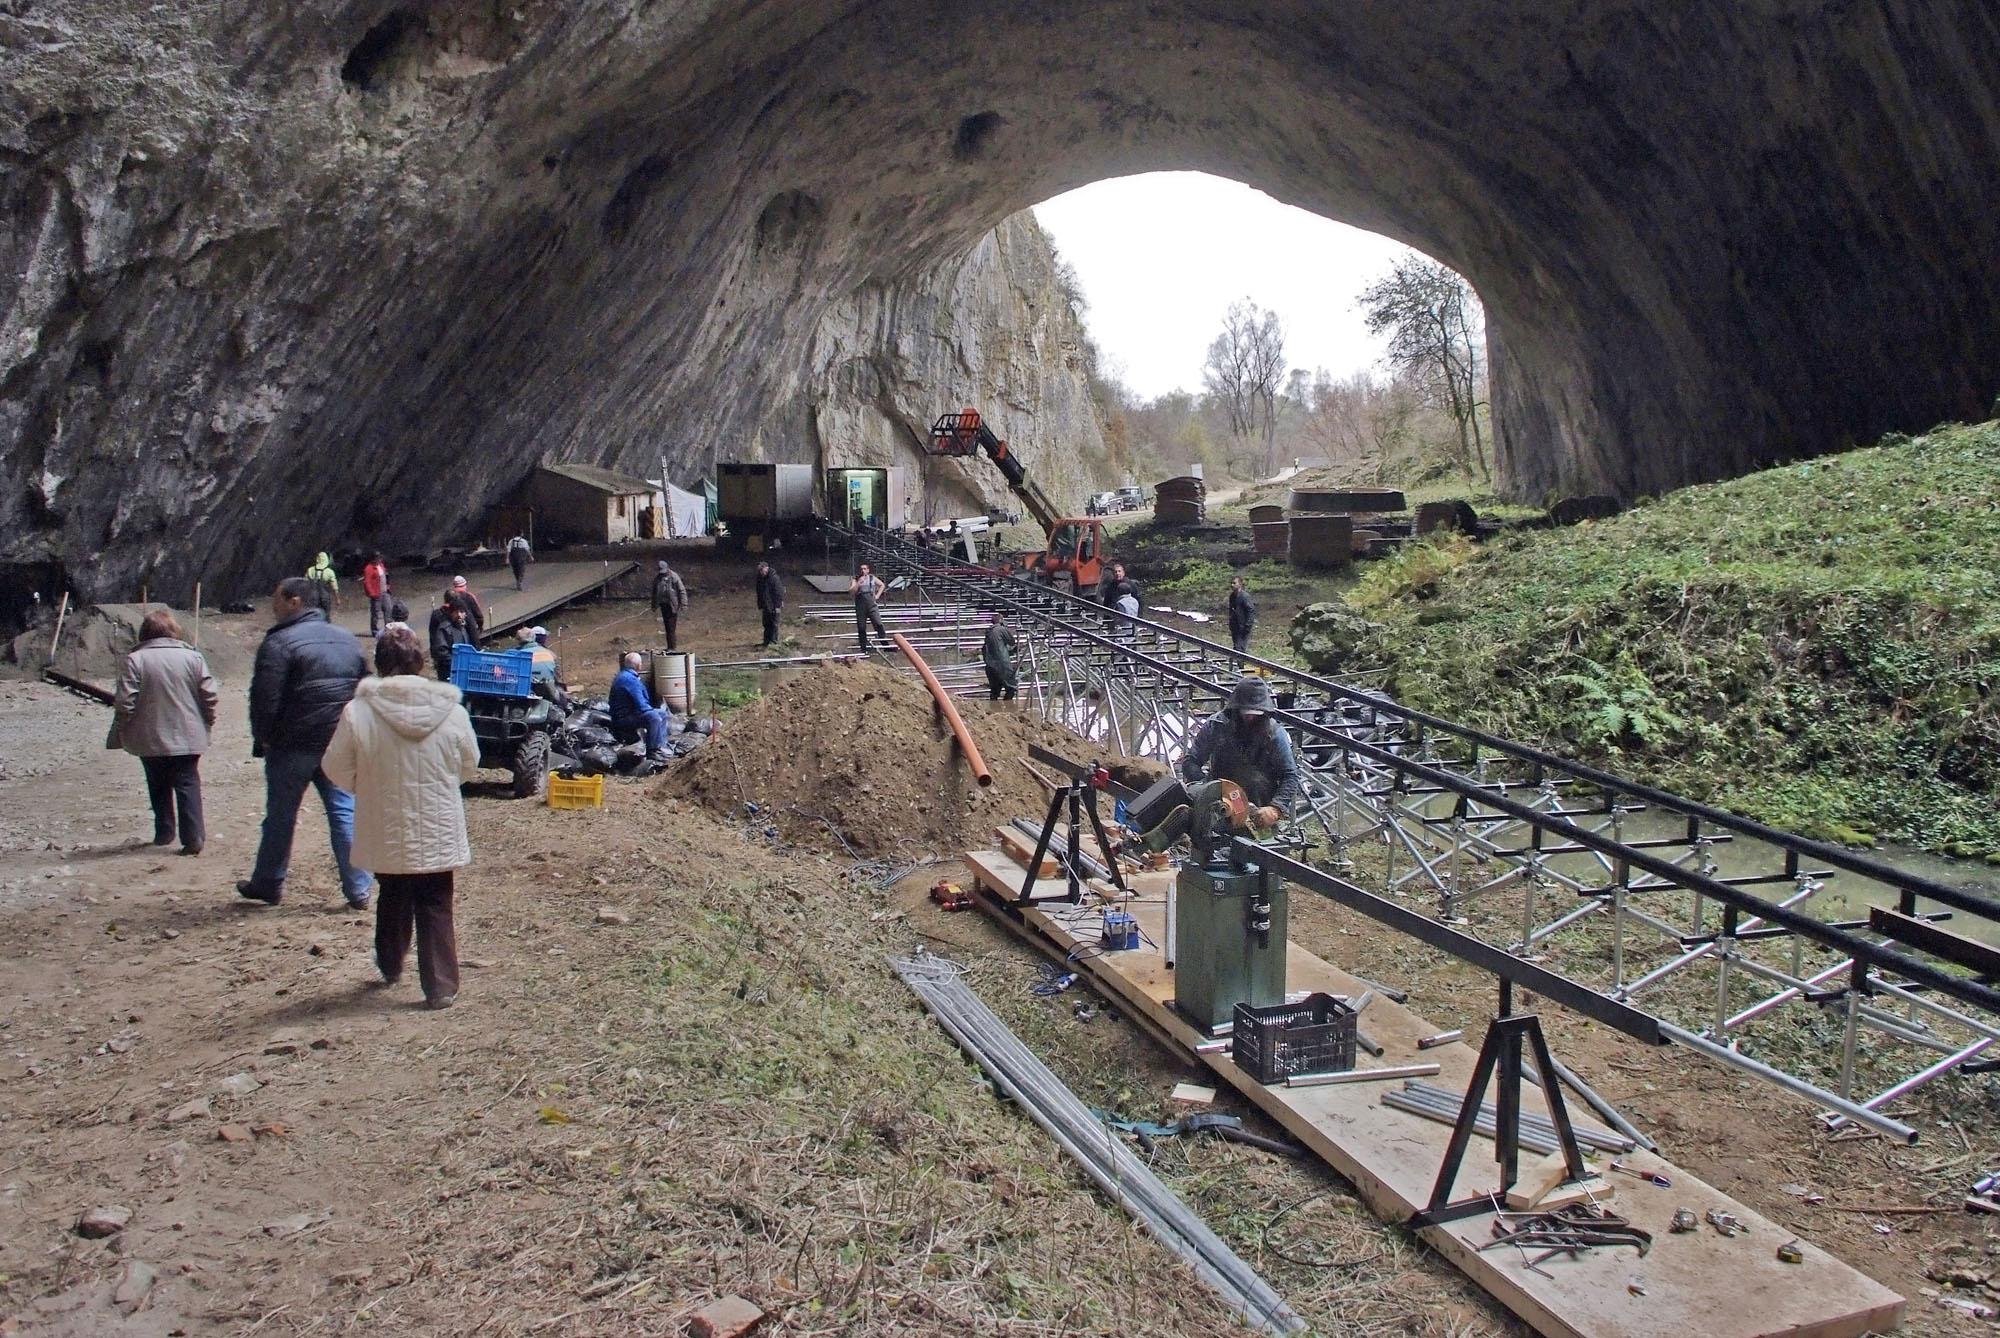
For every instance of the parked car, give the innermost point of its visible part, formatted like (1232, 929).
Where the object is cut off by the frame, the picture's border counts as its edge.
(1101, 504)
(1131, 499)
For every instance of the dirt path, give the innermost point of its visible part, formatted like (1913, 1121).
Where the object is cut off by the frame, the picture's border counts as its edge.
(678, 1069)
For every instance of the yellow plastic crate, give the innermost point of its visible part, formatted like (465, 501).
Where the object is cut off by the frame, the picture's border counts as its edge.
(583, 792)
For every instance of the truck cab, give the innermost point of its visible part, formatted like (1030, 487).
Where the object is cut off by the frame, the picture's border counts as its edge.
(1074, 560)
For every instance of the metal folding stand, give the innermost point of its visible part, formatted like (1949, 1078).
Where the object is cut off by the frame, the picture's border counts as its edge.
(1072, 794)
(1500, 1056)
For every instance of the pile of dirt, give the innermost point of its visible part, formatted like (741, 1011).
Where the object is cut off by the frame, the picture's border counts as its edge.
(859, 749)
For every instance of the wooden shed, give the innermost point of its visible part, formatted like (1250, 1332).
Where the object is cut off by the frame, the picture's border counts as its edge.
(586, 504)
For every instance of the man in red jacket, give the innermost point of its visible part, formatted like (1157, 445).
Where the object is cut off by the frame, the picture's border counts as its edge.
(375, 584)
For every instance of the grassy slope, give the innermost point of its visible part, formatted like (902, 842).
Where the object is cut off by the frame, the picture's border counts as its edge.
(1816, 645)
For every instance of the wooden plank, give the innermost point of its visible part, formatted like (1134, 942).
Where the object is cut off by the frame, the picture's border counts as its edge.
(1021, 849)
(1699, 1282)
(1936, 940)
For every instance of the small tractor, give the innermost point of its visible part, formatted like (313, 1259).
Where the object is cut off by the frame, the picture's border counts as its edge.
(514, 724)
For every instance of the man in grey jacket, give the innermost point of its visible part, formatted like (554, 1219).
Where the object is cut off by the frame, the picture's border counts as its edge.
(305, 676)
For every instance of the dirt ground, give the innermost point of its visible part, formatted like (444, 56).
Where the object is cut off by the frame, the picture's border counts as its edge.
(679, 1069)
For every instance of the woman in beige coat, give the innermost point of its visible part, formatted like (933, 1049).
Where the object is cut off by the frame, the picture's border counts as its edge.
(164, 708)
(402, 748)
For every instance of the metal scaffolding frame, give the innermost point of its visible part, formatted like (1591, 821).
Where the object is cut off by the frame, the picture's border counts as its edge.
(1464, 820)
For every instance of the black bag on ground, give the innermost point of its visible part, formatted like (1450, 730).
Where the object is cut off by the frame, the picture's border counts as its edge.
(597, 761)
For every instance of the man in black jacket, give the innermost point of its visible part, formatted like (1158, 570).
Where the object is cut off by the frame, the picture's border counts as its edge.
(770, 599)
(1242, 616)
(305, 676)
(451, 625)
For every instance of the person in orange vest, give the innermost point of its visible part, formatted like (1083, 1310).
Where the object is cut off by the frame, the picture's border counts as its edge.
(375, 584)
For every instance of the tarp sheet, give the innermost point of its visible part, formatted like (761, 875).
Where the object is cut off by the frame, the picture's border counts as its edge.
(687, 513)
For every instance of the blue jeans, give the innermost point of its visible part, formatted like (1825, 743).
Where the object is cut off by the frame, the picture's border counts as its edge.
(287, 772)
(653, 724)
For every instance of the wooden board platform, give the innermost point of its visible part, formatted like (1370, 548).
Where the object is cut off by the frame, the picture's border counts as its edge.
(1700, 1283)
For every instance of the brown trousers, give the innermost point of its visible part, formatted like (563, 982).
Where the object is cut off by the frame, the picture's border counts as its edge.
(419, 904)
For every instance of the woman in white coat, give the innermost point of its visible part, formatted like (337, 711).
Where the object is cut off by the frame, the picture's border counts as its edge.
(402, 748)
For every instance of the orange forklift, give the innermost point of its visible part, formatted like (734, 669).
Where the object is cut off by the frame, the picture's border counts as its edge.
(1077, 546)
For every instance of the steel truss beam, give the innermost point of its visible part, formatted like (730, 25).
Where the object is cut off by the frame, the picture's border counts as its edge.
(1467, 816)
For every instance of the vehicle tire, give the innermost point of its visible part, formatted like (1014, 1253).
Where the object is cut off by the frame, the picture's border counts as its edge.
(531, 765)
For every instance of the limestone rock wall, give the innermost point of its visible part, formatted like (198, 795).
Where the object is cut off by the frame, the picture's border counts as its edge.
(993, 332)
(275, 275)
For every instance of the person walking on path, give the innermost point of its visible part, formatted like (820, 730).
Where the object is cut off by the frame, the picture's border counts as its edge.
(450, 626)
(866, 587)
(670, 596)
(997, 654)
(1242, 616)
(519, 554)
(164, 709)
(633, 714)
(375, 585)
(770, 602)
(475, 612)
(402, 748)
(326, 584)
(305, 676)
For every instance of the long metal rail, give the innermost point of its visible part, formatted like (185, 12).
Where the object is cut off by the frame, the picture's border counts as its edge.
(1467, 824)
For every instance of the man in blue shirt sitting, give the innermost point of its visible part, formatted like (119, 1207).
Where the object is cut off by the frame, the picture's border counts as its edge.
(633, 712)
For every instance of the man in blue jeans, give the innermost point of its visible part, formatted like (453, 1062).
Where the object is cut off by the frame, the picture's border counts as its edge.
(633, 712)
(305, 676)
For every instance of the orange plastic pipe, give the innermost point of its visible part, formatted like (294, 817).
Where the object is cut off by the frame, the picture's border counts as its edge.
(965, 743)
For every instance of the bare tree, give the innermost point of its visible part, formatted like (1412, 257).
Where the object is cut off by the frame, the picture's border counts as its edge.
(1361, 420)
(1245, 367)
(1436, 339)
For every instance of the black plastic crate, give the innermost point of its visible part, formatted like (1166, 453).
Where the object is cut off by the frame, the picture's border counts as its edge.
(1315, 1035)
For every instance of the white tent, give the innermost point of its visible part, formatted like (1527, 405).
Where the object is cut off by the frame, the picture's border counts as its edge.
(687, 513)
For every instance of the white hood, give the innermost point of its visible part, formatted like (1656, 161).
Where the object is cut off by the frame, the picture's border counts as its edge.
(414, 707)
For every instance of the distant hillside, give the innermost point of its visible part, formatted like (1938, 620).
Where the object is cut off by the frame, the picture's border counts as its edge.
(1816, 645)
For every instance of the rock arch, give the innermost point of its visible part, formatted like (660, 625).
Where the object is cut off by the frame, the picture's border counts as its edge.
(337, 258)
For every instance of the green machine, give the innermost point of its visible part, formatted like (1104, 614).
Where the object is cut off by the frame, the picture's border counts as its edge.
(1226, 924)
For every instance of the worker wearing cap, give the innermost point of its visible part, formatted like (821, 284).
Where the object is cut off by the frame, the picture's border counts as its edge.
(1244, 743)
(542, 674)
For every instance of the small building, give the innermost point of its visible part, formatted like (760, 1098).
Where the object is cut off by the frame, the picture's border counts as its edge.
(586, 504)
(866, 495)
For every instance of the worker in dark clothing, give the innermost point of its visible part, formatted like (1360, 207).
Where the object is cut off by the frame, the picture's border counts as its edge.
(670, 596)
(304, 677)
(770, 601)
(1115, 586)
(1244, 743)
(1002, 679)
(866, 587)
(475, 612)
(1242, 615)
(519, 554)
(450, 626)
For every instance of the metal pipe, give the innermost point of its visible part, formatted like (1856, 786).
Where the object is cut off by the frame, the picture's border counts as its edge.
(943, 699)
(1855, 1111)
(1363, 1075)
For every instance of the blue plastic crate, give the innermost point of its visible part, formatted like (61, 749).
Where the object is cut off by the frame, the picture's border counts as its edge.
(501, 673)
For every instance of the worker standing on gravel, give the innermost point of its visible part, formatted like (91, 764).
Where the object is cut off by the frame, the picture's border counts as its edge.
(866, 587)
(326, 584)
(402, 748)
(375, 584)
(1244, 743)
(164, 708)
(519, 554)
(670, 596)
(305, 676)
(1002, 679)
(770, 602)
(1242, 616)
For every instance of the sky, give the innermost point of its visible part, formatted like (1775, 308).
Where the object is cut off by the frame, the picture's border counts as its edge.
(1161, 257)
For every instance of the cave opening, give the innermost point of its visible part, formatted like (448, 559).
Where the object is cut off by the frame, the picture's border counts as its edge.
(373, 59)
